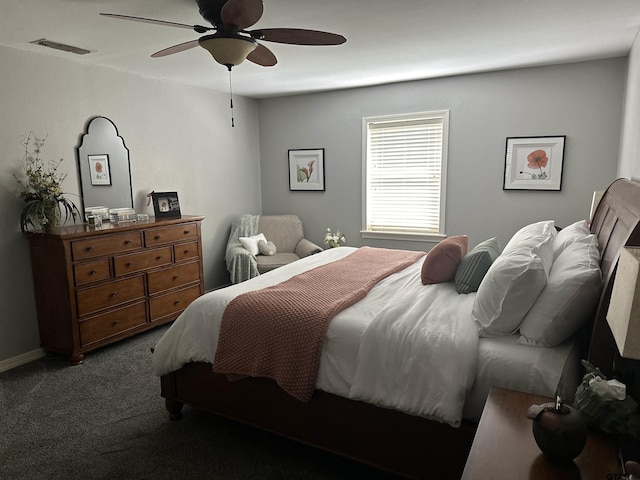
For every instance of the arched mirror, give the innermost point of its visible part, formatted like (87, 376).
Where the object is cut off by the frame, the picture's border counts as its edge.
(103, 161)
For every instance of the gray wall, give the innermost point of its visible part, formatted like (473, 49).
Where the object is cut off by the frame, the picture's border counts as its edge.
(629, 166)
(179, 138)
(582, 101)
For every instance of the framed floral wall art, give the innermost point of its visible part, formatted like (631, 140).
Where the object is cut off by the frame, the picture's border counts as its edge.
(306, 169)
(534, 163)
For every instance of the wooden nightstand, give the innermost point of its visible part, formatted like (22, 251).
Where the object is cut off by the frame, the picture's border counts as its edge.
(504, 447)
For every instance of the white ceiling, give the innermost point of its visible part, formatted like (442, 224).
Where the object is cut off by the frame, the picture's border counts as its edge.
(387, 40)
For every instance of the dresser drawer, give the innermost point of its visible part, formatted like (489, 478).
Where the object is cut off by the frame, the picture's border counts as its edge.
(110, 295)
(172, 302)
(185, 251)
(95, 247)
(136, 262)
(91, 272)
(112, 323)
(175, 233)
(173, 277)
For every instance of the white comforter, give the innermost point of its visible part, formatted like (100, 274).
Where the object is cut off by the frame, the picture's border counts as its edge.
(405, 345)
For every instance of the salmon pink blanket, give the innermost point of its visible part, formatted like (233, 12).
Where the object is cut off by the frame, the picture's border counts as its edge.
(278, 332)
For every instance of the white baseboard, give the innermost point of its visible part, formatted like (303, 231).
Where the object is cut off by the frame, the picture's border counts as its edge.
(14, 362)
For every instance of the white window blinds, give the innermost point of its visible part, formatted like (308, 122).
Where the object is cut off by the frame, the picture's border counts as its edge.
(405, 173)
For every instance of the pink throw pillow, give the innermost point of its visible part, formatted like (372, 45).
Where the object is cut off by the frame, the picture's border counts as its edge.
(442, 261)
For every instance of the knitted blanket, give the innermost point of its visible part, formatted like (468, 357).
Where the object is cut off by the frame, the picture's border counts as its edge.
(240, 264)
(278, 332)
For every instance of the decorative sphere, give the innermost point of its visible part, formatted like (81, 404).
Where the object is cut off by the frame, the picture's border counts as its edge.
(561, 433)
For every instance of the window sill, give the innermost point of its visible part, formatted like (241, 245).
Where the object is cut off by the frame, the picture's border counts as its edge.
(412, 237)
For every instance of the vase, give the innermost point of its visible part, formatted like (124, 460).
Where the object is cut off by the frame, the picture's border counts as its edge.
(559, 430)
(51, 216)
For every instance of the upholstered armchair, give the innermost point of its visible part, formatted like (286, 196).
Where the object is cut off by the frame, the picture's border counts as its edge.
(260, 243)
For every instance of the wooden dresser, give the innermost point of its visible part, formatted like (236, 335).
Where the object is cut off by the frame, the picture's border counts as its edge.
(95, 286)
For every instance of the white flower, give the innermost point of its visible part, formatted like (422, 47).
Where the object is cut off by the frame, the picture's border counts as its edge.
(333, 240)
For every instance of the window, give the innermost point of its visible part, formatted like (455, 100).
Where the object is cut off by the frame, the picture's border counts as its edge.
(405, 160)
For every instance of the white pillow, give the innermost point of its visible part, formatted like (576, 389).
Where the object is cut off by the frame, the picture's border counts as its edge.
(576, 232)
(513, 283)
(251, 243)
(571, 294)
(529, 235)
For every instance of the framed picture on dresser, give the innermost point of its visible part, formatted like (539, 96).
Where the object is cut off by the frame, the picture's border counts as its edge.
(166, 204)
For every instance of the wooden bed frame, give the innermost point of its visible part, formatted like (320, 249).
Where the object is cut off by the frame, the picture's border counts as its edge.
(387, 439)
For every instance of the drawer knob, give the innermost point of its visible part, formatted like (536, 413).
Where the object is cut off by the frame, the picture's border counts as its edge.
(89, 249)
(129, 264)
(116, 323)
(187, 232)
(157, 237)
(185, 252)
(127, 242)
(175, 277)
(114, 294)
(93, 272)
(176, 303)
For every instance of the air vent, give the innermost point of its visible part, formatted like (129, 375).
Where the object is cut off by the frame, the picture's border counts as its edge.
(61, 46)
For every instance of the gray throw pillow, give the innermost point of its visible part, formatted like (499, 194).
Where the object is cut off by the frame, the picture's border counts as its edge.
(475, 264)
(266, 248)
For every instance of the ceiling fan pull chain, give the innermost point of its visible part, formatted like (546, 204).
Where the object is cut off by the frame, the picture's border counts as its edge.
(231, 96)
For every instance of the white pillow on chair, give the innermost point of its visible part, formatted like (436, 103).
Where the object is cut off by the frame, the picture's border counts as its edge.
(251, 243)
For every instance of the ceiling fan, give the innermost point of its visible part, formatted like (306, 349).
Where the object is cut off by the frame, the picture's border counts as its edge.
(231, 43)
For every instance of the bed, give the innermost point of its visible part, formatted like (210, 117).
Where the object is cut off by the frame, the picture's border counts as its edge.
(416, 417)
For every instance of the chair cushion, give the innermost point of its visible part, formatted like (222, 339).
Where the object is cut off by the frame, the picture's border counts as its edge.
(267, 263)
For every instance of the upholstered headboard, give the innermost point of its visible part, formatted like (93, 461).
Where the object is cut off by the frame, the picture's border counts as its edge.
(616, 224)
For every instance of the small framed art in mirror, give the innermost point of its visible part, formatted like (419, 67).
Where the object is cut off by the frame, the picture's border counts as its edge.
(99, 168)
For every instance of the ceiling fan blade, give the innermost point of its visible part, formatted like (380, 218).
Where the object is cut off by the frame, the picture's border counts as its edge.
(298, 36)
(241, 13)
(181, 47)
(262, 56)
(197, 28)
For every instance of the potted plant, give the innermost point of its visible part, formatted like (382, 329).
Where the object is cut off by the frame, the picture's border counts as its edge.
(41, 190)
(333, 240)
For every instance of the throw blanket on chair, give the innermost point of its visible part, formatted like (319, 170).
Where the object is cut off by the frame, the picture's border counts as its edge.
(241, 267)
(278, 332)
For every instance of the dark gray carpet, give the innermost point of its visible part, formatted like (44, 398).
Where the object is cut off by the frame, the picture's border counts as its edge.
(105, 419)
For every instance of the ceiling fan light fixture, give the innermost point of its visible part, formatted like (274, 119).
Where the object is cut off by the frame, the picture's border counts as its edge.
(228, 50)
